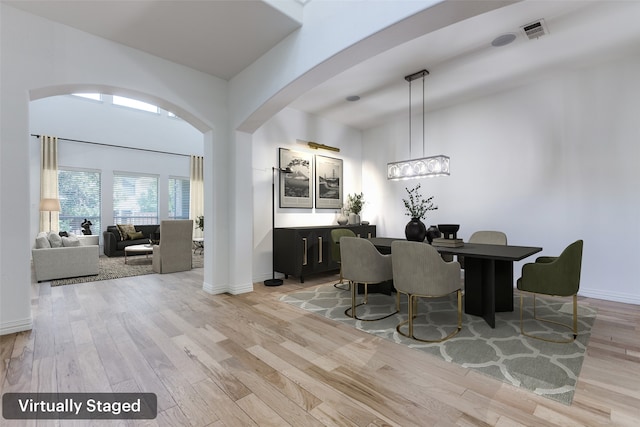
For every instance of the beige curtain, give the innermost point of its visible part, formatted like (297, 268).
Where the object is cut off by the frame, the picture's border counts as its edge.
(196, 198)
(49, 179)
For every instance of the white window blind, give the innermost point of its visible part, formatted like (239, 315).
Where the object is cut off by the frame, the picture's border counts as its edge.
(135, 199)
(179, 198)
(79, 192)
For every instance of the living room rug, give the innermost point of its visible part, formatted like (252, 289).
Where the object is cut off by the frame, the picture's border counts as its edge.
(547, 369)
(115, 268)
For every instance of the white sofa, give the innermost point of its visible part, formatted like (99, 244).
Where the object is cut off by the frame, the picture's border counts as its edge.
(64, 260)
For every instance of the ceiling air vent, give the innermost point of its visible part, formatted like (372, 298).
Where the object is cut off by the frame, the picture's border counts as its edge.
(535, 29)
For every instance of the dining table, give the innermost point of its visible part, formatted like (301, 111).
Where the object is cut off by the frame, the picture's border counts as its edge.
(488, 274)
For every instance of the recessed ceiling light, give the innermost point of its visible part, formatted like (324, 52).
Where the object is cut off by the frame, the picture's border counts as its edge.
(353, 98)
(503, 40)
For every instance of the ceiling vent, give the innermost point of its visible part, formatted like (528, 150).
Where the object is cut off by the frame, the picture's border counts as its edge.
(535, 29)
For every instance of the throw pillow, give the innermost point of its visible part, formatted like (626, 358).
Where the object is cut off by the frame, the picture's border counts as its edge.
(42, 242)
(136, 235)
(125, 229)
(55, 240)
(70, 241)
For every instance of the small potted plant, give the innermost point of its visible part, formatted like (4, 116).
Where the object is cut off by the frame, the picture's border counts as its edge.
(355, 202)
(417, 208)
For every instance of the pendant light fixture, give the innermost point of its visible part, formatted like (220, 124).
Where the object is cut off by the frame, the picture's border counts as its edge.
(423, 167)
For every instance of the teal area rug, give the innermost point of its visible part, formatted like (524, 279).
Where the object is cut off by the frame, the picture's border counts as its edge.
(547, 369)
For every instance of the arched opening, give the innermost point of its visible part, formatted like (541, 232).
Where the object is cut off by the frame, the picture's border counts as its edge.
(111, 141)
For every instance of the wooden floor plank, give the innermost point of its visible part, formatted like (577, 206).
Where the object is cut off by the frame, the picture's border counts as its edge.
(251, 360)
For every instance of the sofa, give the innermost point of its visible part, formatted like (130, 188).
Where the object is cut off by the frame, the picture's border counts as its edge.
(56, 257)
(114, 240)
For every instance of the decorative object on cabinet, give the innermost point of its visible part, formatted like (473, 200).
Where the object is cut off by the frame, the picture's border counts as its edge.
(425, 166)
(328, 182)
(355, 202)
(296, 185)
(301, 251)
(273, 281)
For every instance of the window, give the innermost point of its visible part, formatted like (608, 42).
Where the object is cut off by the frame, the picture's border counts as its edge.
(79, 192)
(93, 96)
(179, 198)
(133, 103)
(135, 199)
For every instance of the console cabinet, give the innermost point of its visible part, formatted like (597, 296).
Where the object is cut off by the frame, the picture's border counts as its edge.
(301, 251)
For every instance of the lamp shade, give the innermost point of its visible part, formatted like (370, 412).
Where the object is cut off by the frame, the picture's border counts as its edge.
(50, 205)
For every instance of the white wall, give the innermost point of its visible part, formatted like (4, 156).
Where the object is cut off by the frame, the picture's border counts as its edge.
(39, 59)
(81, 119)
(548, 164)
(282, 131)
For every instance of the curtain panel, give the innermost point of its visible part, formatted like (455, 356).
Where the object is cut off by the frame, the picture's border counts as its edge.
(49, 180)
(196, 198)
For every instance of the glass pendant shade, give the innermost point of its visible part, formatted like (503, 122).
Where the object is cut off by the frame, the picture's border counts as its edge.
(419, 168)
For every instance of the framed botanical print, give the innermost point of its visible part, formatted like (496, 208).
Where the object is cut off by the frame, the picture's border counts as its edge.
(296, 186)
(328, 183)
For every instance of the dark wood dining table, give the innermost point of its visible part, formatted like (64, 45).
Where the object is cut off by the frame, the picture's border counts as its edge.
(488, 274)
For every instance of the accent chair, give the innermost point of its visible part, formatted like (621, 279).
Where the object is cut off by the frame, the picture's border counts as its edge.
(487, 237)
(553, 276)
(362, 263)
(420, 272)
(174, 251)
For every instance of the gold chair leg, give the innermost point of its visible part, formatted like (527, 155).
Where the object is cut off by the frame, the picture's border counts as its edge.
(413, 313)
(341, 282)
(573, 327)
(351, 312)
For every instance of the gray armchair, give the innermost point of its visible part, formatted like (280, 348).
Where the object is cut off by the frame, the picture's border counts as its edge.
(362, 263)
(174, 251)
(420, 272)
(553, 276)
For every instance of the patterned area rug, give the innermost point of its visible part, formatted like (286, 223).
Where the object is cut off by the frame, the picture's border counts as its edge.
(548, 369)
(115, 268)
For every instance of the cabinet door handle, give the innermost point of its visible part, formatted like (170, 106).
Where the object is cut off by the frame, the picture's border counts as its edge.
(304, 251)
(319, 249)
(369, 234)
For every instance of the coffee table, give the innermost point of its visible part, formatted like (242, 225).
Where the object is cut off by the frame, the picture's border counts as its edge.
(137, 250)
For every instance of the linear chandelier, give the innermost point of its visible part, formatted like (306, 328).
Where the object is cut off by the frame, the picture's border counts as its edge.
(423, 167)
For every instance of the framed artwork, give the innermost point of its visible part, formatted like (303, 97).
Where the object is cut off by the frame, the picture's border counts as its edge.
(328, 183)
(296, 187)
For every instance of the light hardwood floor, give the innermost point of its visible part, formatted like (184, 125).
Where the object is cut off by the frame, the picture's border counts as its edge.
(249, 359)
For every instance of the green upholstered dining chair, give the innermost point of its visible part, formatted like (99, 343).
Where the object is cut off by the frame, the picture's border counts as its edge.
(553, 276)
(362, 263)
(420, 272)
(336, 234)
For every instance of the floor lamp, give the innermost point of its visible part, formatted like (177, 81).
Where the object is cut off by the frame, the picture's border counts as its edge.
(50, 205)
(273, 281)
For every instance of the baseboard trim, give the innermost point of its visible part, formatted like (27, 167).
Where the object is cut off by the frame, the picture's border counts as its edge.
(236, 290)
(610, 296)
(16, 326)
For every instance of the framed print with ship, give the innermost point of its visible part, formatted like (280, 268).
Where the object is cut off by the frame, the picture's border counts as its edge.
(328, 185)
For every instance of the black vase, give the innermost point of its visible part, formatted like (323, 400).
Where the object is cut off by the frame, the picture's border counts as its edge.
(432, 233)
(415, 230)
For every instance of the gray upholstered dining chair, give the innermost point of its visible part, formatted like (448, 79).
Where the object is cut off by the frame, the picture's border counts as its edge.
(362, 263)
(553, 276)
(336, 234)
(487, 237)
(420, 272)
(174, 251)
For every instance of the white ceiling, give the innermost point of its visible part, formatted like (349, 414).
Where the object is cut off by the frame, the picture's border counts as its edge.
(217, 37)
(223, 37)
